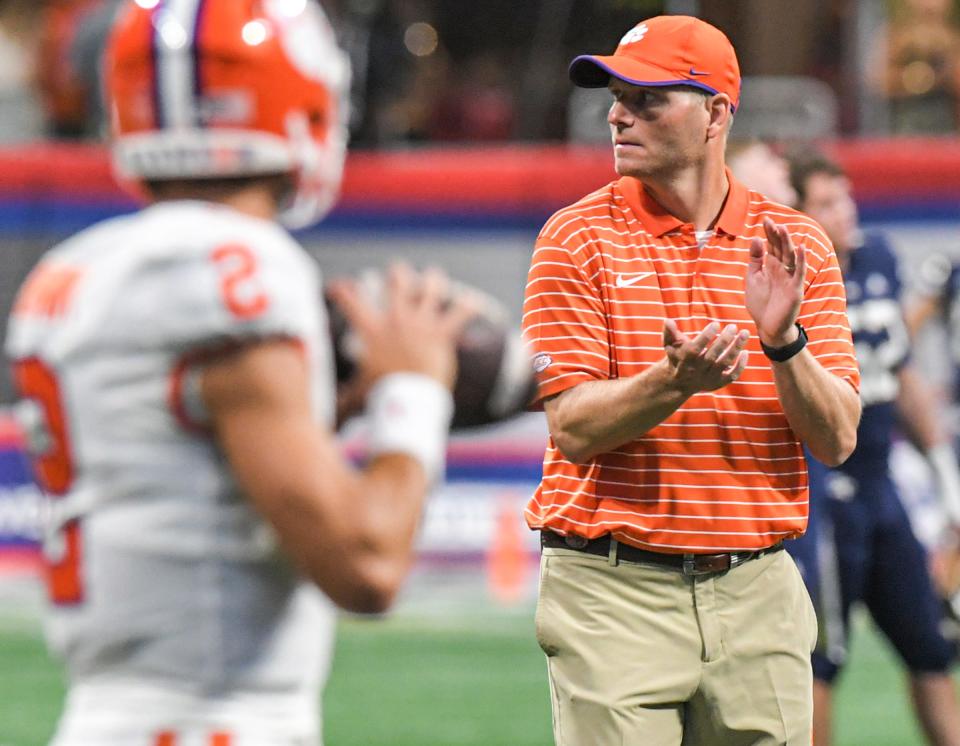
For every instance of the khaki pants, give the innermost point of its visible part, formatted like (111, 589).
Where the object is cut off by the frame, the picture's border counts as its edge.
(640, 655)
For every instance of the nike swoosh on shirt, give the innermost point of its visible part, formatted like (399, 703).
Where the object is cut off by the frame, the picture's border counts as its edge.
(623, 281)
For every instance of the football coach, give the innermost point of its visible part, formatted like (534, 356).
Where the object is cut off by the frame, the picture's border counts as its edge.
(690, 337)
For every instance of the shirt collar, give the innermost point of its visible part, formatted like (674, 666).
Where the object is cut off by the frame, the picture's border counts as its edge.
(732, 219)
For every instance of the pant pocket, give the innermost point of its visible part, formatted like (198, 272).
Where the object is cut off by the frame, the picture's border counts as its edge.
(805, 603)
(541, 619)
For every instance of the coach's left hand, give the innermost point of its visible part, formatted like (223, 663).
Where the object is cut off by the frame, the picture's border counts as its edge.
(774, 285)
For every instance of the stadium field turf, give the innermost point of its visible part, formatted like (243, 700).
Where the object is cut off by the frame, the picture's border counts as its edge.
(447, 682)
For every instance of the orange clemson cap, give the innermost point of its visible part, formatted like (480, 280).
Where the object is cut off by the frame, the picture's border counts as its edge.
(666, 50)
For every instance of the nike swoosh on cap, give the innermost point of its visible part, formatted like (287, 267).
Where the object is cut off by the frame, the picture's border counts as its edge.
(623, 281)
(698, 72)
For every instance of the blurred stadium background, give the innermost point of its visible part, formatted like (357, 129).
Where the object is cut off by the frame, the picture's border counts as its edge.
(466, 136)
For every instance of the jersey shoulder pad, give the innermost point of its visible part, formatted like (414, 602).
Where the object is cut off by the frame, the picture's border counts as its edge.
(200, 275)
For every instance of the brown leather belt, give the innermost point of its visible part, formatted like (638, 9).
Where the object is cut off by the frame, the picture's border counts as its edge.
(688, 564)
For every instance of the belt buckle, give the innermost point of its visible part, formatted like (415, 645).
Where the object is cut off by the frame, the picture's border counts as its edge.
(712, 563)
(689, 565)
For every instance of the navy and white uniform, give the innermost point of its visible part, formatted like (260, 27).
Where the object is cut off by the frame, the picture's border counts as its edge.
(859, 546)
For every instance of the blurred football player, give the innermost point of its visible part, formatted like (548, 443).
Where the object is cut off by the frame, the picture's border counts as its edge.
(861, 547)
(762, 169)
(936, 298)
(177, 385)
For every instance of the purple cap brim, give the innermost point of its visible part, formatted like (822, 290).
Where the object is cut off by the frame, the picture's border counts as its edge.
(587, 71)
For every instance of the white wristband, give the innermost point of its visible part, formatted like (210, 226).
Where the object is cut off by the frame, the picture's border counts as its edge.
(943, 462)
(410, 413)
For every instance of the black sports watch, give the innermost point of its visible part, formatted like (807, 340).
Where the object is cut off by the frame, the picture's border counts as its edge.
(782, 354)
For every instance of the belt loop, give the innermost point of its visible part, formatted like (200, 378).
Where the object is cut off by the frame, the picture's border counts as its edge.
(612, 559)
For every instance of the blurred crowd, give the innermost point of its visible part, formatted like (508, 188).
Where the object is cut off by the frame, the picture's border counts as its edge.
(449, 71)
(916, 67)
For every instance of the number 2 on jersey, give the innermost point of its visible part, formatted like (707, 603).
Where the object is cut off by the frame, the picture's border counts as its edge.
(239, 284)
(53, 469)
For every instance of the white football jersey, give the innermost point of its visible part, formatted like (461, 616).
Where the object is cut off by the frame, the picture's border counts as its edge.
(160, 570)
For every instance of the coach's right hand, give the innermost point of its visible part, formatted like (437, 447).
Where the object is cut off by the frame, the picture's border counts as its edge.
(708, 361)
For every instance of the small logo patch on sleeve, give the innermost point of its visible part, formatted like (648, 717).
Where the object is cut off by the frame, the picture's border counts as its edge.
(541, 362)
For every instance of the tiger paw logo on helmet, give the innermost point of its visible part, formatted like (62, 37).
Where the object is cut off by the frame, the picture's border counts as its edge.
(635, 34)
(219, 88)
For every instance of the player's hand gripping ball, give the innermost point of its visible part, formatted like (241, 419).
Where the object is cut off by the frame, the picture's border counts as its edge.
(495, 379)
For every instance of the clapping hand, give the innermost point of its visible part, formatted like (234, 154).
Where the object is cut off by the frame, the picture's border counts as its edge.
(774, 284)
(708, 361)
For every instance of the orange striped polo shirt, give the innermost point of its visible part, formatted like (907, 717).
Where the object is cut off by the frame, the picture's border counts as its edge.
(725, 472)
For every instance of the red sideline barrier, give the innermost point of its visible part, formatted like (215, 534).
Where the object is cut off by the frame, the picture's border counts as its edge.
(516, 178)
(522, 178)
(57, 170)
(886, 169)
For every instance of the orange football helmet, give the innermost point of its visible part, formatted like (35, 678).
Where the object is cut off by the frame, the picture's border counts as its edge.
(221, 88)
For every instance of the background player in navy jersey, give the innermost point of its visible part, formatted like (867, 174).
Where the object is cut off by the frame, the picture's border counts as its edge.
(860, 546)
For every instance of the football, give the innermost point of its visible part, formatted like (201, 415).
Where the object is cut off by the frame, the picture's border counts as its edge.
(495, 378)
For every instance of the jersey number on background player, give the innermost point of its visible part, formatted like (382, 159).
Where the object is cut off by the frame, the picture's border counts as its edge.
(882, 344)
(53, 470)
